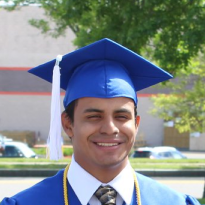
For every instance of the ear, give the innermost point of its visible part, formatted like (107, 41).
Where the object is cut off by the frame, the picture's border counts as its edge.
(137, 120)
(67, 124)
(137, 123)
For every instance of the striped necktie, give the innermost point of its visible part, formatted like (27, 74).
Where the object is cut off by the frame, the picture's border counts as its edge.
(106, 195)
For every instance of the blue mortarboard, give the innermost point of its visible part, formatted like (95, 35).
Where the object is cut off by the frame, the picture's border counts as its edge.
(104, 69)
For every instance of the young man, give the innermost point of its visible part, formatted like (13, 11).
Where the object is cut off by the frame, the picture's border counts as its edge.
(100, 117)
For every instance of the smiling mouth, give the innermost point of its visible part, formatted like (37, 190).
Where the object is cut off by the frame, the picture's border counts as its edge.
(107, 144)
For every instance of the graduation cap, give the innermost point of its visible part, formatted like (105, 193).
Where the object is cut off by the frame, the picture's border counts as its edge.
(104, 69)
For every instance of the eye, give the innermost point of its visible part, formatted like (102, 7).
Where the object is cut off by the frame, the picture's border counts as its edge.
(122, 117)
(93, 117)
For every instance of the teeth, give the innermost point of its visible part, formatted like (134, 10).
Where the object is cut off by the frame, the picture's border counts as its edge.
(107, 144)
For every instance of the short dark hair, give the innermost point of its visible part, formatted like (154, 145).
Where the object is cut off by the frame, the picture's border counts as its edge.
(69, 110)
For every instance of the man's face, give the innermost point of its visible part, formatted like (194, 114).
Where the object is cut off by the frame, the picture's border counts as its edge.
(103, 132)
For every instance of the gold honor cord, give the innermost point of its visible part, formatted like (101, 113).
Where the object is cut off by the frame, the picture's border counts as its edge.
(65, 188)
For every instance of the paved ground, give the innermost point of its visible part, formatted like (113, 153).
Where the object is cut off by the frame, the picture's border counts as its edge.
(185, 185)
(194, 155)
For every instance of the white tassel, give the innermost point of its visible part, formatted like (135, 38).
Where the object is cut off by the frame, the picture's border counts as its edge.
(54, 142)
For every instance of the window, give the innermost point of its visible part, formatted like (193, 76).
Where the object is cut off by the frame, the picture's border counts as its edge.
(11, 151)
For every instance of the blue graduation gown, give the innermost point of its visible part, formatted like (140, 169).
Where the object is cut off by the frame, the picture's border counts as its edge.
(50, 191)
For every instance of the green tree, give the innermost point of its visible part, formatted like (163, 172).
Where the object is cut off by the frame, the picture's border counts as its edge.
(185, 106)
(168, 32)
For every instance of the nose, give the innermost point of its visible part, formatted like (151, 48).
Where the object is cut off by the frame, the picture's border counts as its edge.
(109, 127)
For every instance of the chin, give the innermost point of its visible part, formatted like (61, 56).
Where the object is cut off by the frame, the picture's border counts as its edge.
(113, 162)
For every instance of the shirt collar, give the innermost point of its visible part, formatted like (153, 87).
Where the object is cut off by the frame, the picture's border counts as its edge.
(123, 183)
(86, 185)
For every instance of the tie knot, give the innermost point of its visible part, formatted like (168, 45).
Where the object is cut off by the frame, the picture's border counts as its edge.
(106, 195)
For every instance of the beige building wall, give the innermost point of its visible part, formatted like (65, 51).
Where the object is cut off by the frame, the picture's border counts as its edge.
(151, 128)
(32, 113)
(25, 112)
(198, 143)
(22, 45)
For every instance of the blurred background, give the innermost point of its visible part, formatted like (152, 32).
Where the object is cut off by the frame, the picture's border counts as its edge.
(31, 34)
(170, 35)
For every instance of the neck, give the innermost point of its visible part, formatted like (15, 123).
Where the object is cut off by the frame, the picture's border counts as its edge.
(104, 173)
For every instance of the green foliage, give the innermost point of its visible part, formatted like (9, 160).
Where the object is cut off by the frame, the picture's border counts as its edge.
(167, 32)
(185, 106)
(202, 201)
(67, 151)
(40, 151)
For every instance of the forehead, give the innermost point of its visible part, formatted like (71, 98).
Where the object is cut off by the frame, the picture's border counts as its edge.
(105, 103)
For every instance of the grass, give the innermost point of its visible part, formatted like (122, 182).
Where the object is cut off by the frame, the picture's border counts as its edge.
(68, 151)
(42, 163)
(202, 201)
(168, 164)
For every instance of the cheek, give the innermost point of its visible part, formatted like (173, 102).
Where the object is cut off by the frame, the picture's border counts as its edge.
(129, 129)
(88, 127)
(82, 131)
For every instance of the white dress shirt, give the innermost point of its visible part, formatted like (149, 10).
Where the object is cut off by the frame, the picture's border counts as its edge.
(85, 185)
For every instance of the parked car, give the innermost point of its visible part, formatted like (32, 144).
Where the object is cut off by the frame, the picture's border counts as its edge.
(162, 152)
(17, 149)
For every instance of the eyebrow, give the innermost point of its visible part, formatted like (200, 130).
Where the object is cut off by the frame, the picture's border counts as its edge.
(93, 110)
(122, 110)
